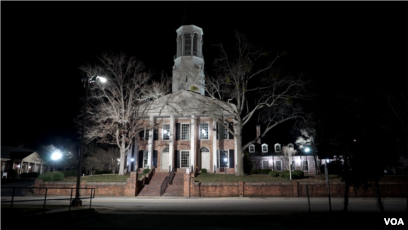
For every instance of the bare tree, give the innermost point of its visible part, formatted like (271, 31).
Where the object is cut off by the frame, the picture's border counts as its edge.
(114, 115)
(250, 89)
(307, 139)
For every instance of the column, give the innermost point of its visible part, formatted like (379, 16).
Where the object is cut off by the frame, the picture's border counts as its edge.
(193, 140)
(214, 139)
(171, 144)
(235, 146)
(41, 168)
(192, 44)
(21, 167)
(150, 143)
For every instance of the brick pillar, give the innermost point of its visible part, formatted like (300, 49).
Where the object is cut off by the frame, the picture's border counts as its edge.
(295, 188)
(241, 189)
(187, 185)
(131, 185)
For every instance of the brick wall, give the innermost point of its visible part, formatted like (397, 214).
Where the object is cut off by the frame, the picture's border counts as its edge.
(294, 189)
(127, 188)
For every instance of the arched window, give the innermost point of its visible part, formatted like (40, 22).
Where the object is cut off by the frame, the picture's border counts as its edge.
(251, 148)
(277, 147)
(165, 150)
(204, 150)
(290, 145)
(195, 44)
(264, 148)
(187, 44)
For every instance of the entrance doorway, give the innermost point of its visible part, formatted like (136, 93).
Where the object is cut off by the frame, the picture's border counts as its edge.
(205, 158)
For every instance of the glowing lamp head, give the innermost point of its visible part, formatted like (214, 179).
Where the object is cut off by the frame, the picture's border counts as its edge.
(56, 155)
(102, 79)
(307, 149)
(132, 159)
(225, 159)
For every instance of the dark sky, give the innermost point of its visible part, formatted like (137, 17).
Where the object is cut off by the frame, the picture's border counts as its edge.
(44, 43)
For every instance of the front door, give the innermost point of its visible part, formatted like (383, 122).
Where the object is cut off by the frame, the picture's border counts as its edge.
(165, 161)
(205, 160)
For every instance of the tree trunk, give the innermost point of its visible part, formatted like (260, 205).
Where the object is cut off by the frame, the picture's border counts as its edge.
(317, 169)
(122, 161)
(377, 189)
(240, 156)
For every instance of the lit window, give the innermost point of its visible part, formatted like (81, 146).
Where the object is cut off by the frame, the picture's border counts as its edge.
(166, 132)
(264, 148)
(223, 131)
(203, 130)
(185, 131)
(251, 148)
(224, 158)
(277, 147)
(265, 164)
(279, 166)
(305, 166)
(185, 159)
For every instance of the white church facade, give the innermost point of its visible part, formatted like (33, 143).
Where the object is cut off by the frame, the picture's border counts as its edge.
(184, 135)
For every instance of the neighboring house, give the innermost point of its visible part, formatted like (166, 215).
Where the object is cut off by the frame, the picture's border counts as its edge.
(185, 137)
(270, 156)
(22, 160)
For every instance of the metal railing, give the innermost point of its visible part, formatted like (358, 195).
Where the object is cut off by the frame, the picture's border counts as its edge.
(45, 196)
(167, 181)
(188, 53)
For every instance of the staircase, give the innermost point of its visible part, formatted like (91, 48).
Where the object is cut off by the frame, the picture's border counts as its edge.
(153, 188)
(177, 187)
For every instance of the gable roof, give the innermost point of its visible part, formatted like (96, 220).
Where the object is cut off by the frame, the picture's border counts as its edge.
(9, 152)
(186, 103)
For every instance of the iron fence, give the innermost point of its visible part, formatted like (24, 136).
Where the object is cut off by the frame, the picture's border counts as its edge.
(45, 196)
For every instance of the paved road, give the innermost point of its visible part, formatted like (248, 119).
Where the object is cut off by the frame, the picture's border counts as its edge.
(225, 205)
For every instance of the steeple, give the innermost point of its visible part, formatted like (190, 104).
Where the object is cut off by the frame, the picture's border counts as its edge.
(188, 69)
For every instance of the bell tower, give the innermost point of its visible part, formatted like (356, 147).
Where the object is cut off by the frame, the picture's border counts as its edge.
(188, 69)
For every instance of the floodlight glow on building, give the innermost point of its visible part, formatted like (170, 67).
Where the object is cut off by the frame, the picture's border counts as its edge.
(307, 149)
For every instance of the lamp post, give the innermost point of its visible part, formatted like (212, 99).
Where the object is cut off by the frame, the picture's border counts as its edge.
(77, 201)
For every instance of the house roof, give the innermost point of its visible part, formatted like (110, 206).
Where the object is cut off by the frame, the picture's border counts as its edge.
(186, 103)
(9, 152)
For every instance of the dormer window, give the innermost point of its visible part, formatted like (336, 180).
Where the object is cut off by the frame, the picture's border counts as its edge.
(264, 148)
(251, 148)
(290, 145)
(277, 147)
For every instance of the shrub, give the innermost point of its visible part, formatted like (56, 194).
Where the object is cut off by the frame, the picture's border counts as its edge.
(23, 175)
(253, 171)
(266, 171)
(299, 173)
(203, 170)
(286, 176)
(46, 176)
(295, 176)
(29, 175)
(146, 171)
(273, 174)
(56, 176)
(69, 173)
(259, 171)
(103, 172)
(11, 173)
(282, 174)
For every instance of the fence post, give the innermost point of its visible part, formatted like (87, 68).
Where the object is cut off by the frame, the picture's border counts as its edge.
(45, 200)
(90, 200)
(12, 198)
(70, 200)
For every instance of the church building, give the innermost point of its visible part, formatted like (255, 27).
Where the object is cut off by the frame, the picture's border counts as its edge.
(179, 132)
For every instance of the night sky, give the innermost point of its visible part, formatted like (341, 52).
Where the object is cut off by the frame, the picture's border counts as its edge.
(44, 44)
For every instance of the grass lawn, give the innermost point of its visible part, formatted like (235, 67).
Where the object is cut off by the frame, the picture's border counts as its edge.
(99, 178)
(211, 178)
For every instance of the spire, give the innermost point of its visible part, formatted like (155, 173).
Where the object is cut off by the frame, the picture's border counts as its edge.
(189, 15)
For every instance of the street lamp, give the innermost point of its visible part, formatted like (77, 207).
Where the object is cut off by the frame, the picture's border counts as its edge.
(56, 156)
(77, 201)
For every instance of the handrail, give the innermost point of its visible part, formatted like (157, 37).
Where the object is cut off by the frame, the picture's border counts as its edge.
(45, 196)
(172, 175)
(168, 180)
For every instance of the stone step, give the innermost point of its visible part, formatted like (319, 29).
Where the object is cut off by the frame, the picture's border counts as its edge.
(153, 188)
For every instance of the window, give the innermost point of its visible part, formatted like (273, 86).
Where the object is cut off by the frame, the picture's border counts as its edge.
(264, 148)
(251, 148)
(146, 134)
(185, 132)
(145, 158)
(166, 132)
(305, 166)
(185, 159)
(203, 129)
(277, 147)
(223, 131)
(224, 158)
(187, 46)
(279, 166)
(265, 164)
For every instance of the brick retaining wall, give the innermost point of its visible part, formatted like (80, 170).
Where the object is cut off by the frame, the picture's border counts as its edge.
(127, 188)
(289, 189)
